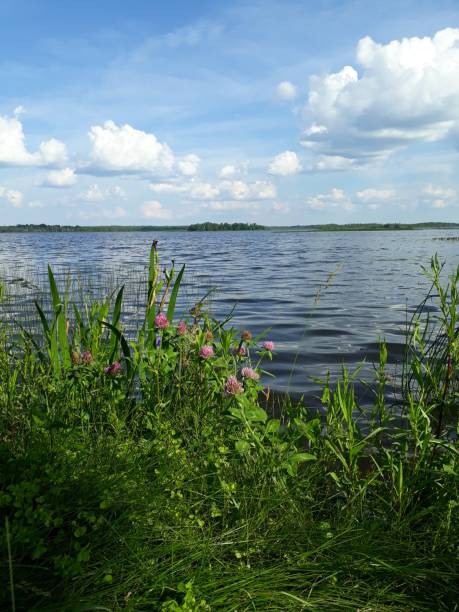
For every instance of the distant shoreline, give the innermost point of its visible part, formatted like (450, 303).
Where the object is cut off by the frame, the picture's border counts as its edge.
(329, 227)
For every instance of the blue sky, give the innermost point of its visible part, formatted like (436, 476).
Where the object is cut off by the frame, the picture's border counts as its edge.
(272, 112)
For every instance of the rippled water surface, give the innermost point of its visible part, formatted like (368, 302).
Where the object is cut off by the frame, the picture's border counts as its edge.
(327, 296)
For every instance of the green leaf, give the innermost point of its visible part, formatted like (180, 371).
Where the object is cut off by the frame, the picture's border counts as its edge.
(255, 413)
(242, 446)
(114, 340)
(272, 426)
(300, 457)
(124, 346)
(174, 294)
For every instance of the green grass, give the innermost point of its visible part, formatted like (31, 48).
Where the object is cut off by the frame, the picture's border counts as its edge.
(143, 486)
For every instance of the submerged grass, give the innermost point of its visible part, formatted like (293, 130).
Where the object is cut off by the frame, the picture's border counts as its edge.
(144, 474)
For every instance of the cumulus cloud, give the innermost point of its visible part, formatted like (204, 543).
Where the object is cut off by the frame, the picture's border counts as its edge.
(228, 171)
(286, 91)
(221, 206)
(154, 210)
(60, 178)
(374, 198)
(14, 152)
(95, 194)
(168, 187)
(438, 197)
(225, 190)
(404, 91)
(241, 190)
(189, 165)
(284, 164)
(335, 198)
(334, 163)
(124, 149)
(12, 196)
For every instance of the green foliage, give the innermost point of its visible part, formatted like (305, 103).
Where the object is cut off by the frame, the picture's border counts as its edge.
(146, 473)
(208, 226)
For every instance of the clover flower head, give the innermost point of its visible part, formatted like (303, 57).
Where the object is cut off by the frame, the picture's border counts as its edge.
(181, 328)
(233, 386)
(113, 369)
(268, 345)
(86, 357)
(250, 373)
(161, 321)
(206, 351)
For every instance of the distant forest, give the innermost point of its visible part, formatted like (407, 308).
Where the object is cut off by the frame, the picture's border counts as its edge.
(225, 227)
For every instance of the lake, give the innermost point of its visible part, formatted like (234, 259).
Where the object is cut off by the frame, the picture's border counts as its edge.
(327, 296)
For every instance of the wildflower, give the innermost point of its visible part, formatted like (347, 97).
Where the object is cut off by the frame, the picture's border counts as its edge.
(268, 345)
(250, 373)
(86, 357)
(75, 357)
(158, 341)
(181, 328)
(209, 336)
(246, 335)
(233, 386)
(206, 351)
(241, 351)
(113, 369)
(161, 321)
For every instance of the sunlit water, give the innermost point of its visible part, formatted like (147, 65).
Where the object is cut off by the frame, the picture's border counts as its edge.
(327, 297)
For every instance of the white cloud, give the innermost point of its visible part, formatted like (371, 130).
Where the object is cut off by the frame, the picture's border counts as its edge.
(189, 165)
(438, 197)
(95, 194)
(284, 164)
(406, 91)
(225, 205)
(13, 150)
(124, 149)
(154, 210)
(334, 163)
(60, 178)
(240, 190)
(168, 187)
(224, 190)
(12, 196)
(375, 196)
(286, 91)
(228, 171)
(335, 198)
(203, 191)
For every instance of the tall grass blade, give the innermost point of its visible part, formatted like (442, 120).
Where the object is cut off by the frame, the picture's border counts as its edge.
(114, 340)
(174, 294)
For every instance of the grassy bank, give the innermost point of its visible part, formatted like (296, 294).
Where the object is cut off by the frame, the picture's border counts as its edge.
(145, 475)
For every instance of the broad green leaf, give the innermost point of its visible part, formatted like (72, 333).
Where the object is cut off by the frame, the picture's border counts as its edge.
(242, 446)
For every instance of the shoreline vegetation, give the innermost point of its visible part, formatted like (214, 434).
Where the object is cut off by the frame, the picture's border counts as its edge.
(210, 227)
(144, 473)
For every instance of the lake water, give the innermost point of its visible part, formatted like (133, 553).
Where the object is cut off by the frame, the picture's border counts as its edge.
(368, 281)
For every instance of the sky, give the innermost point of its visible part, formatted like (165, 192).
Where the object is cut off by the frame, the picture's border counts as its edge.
(275, 112)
